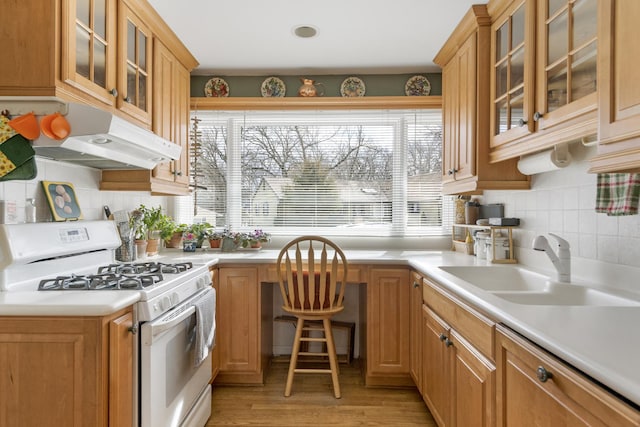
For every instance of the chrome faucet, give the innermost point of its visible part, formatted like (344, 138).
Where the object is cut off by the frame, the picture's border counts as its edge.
(561, 261)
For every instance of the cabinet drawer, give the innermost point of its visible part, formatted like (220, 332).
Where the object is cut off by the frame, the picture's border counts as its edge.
(476, 328)
(535, 385)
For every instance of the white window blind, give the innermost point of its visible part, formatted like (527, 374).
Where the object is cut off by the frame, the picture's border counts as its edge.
(329, 172)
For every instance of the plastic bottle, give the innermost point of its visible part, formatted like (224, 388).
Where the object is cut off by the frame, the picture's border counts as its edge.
(30, 210)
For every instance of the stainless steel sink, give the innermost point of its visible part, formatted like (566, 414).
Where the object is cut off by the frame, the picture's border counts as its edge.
(521, 286)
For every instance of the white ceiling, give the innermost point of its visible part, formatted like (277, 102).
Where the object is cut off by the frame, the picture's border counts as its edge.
(255, 37)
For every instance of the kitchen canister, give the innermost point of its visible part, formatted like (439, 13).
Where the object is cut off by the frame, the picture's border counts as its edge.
(480, 244)
(501, 248)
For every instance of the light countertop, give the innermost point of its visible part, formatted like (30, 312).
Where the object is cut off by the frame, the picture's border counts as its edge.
(603, 342)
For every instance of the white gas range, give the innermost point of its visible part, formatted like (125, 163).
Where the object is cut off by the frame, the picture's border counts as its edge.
(174, 313)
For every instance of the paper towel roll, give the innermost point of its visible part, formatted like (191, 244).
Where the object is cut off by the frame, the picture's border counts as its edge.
(545, 161)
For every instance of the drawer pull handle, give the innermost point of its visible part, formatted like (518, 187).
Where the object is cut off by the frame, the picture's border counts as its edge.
(416, 284)
(448, 342)
(443, 337)
(543, 374)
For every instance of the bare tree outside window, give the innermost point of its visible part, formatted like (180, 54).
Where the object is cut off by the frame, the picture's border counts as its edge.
(338, 173)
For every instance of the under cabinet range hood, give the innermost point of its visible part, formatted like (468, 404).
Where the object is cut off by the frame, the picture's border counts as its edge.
(102, 140)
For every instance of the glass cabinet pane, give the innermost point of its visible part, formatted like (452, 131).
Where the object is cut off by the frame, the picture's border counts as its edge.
(82, 12)
(131, 83)
(501, 79)
(557, 38)
(555, 5)
(517, 68)
(557, 86)
(517, 28)
(142, 51)
(501, 116)
(142, 92)
(131, 42)
(502, 41)
(516, 107)
(100, 18)
(583, 72)
(585, 20)
(83, 46)
(100, 63)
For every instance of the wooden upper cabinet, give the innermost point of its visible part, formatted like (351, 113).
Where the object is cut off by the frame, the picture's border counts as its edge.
(89, 42)
(567, 60)
(543, 74)
(618, 87)
(465, 108)
(134, 65)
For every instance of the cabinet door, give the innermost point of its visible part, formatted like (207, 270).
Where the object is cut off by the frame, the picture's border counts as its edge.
(450, 120)
(388, 317)
(436, 376)
(134, 65)
(618, 86)
(182, 99)
(512, 82)
(121, 385)
(535, 389)
(89, 47)
(566, 60)
(164, 103)
(473, 380)
(415, 343)
(238, 333)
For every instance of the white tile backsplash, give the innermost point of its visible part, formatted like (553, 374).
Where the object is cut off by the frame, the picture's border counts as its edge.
(86, 182)
(563, 202)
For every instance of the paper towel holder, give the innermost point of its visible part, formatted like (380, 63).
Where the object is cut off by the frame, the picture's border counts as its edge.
(545, 161)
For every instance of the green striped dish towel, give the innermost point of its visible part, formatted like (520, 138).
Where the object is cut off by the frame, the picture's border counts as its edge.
(618, 193)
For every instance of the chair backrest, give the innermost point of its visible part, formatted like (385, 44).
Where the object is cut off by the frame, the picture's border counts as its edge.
(314, 257)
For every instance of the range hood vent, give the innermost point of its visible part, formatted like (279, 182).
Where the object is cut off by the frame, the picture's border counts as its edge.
(102, 140)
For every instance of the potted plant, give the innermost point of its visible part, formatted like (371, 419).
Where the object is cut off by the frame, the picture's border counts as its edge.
(230, 240)
(148, 224)
(170, 233)
(200, 231)
(257, 237)
(214, 237)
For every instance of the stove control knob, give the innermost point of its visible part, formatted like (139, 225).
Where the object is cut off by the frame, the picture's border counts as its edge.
(175, 298)
(165, 303)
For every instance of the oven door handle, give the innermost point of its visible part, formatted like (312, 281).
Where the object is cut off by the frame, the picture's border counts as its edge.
(160, 327)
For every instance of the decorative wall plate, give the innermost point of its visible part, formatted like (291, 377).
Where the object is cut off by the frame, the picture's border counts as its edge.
(417, 86)
(273, 87)
(352, 86)
(216, 87)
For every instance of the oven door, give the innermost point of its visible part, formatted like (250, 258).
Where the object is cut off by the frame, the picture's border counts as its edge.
(172, 390)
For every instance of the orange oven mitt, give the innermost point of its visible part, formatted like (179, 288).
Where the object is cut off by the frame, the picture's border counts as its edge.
(14, 152)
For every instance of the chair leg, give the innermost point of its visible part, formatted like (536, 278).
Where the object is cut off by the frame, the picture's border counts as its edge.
(333, 362)
(294, 357)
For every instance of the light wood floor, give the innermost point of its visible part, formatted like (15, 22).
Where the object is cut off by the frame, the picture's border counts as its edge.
(312, 403)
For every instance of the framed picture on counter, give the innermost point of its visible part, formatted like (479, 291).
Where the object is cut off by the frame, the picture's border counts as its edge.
(62, 200)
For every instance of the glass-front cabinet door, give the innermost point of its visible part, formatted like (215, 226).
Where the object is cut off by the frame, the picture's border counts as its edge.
(512, 74)
(89, 47)
(567, 62)
(134, 62)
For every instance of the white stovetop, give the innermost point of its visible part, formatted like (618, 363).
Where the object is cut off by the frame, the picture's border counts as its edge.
(604, 342)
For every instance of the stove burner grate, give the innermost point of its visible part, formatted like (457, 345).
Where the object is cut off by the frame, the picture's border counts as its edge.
(101, 281)
(146, 267)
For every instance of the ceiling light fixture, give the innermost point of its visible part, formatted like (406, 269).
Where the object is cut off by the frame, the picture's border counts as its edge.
(305, 31)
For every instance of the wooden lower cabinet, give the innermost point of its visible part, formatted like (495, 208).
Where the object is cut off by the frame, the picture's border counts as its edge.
(245, 326)
(458, 381)
(387, 327)
(415, 329)
(67, 371)
(536, 389)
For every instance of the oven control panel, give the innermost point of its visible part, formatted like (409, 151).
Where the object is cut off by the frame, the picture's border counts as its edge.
(72, 235)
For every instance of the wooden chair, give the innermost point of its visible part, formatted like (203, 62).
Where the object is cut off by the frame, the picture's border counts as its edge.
(317, 299)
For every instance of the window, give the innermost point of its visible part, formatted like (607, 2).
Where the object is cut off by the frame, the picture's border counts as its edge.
(332, 172)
